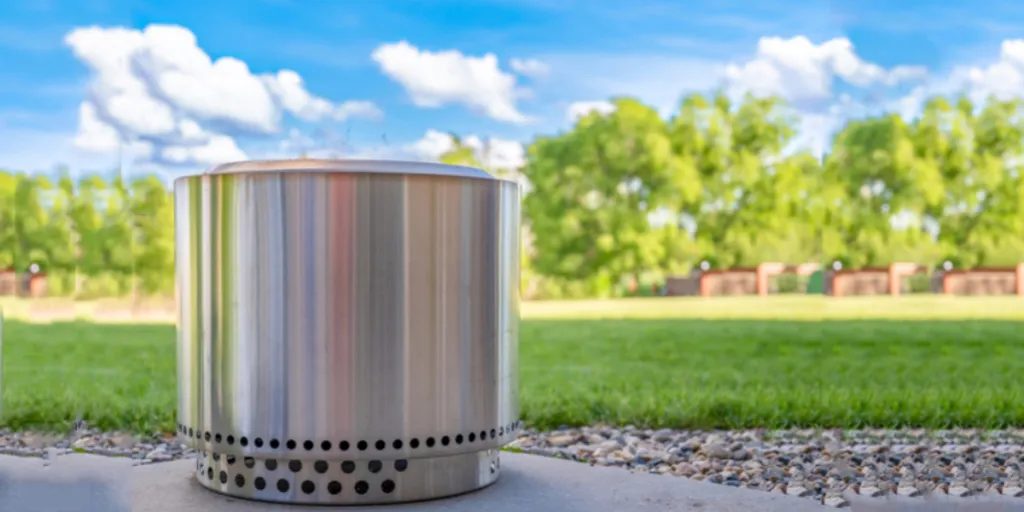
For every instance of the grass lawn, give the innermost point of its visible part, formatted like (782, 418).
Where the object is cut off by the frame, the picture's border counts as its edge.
(778, 362)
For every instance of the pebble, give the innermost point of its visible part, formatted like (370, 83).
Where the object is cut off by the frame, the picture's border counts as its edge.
(828, 466)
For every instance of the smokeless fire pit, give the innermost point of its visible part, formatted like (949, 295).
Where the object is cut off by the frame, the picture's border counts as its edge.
(348, 330)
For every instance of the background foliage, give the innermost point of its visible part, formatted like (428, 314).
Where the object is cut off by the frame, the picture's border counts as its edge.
(631, 196)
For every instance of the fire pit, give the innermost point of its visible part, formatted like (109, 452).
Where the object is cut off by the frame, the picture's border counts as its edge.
(348, 330)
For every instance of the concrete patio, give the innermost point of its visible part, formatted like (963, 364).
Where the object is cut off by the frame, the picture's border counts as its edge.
(78, 482)
(87, 483)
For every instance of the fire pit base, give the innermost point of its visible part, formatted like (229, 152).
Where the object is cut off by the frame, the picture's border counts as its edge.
(347, 482)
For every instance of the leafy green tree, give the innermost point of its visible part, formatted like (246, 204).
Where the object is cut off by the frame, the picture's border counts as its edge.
(8, 216)
(746, 199)
(977, 157)
(152, 212)
(118, 234)
(872, 176)
(61, 229)
(592, 190)
(627, 195)
(86, 217)
(30, 223)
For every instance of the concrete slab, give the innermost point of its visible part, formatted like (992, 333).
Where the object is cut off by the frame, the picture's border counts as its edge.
(938, 503)
(87, 483)
(527, 483)
(74, 483)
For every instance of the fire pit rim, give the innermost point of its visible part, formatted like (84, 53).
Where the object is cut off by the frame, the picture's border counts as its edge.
(346, 166)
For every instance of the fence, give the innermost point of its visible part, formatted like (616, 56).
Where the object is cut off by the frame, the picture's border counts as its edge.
(892, 280)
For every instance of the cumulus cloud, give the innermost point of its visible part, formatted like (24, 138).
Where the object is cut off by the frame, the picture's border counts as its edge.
(580, 109)
(96, 136)
(532, 68)
(493, 153)
(1003, 79)
(291, 93)
(805, 74)
(93, 134)
(432, 145)
(802, 72)
(156, 87)
(799, 70)
(435, 79)
(218, 148)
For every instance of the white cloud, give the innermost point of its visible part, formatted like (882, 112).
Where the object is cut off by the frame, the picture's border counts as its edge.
(582, 108)
(96, 137)
(435, 79)
(432, 145)
(806, 74)
(532, 68)
(293, 97)
(1003, 78)
(496, 154)
(158, 87)
(802, 72)
(217, 149)
(366, 109)
(93, 134)
(500, 154)
(798, 70)
(493, 153)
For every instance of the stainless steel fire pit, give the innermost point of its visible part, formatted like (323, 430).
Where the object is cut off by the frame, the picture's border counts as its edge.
(348, 329)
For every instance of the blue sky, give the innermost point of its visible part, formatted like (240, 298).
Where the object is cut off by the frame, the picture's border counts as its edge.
(569, 52)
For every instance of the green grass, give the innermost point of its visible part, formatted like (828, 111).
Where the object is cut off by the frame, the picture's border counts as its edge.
(114, 376)
(773, 373)
(780, 362)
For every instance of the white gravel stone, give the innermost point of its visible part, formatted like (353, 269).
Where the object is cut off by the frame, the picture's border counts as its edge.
(827, 466)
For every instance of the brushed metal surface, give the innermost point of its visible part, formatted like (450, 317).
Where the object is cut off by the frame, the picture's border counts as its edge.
(347, 482)
(344, 315)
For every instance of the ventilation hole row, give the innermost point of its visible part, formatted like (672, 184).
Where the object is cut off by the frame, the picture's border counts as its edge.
(320, 466)
(380, 444)
(307, 486)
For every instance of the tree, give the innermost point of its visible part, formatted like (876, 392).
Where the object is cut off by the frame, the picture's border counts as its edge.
(152, 213)
(742, 196)
(592, 190)
(30, 223)
(61, 236)
(977, 158)
(870, 178)
(117, 240)
(85, 216)
(629, 194)
(8, 218)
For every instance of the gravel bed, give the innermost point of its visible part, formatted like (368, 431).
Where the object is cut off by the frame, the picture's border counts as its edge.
(142, 449)
(828, 466)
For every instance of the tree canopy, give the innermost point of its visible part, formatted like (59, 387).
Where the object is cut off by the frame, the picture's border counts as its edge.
(629, 193)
